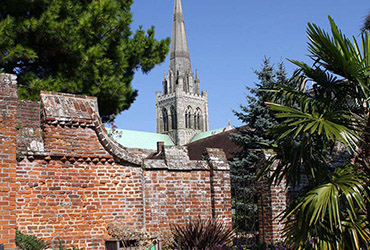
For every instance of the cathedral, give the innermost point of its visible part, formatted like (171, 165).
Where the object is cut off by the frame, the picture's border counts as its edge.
(181, 107)
(182, 110)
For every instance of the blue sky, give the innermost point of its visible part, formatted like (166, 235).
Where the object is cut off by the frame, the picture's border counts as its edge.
(227, 41)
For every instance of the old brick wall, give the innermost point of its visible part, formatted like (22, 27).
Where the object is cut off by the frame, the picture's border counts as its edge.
(220, 184)
(72, 179)
(71, 187)
(178, 189)
(8, 187)
(74, 200)
(29, 132)
(28, 114)
(273, 200)
(173, 197)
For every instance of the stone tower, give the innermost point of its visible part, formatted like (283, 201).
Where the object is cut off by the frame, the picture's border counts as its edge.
(182, 111)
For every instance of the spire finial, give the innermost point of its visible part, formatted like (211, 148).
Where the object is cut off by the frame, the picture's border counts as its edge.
(228, 127)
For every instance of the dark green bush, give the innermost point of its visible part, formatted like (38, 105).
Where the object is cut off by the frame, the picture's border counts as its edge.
(29, 242)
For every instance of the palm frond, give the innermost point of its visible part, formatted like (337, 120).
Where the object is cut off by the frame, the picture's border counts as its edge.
(336, 207)
(339, 55)
(311, 123)
(308, 119)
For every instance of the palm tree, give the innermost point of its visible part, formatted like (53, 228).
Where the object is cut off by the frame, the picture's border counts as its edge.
(314, 124)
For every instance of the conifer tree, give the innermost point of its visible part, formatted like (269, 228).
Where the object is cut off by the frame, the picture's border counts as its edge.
(366, 24)
(76, 46)
(258, 120)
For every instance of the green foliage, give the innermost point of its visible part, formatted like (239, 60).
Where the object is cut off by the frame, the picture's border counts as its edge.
(331, 215)
(81, 47)
(251, 138)
(201, 234)
(29, 242)
(366, 24)
(313, 125)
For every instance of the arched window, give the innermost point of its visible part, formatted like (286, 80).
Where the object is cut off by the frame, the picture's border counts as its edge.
(197, 119)
(173, 118)
(188, 116)
(165, 119)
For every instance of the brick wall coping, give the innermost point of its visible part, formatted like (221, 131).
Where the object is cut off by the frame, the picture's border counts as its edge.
(9, 79)
(176, 158)
(111, 145)
(66, 109)
(217, 160)
(68, 158)
(82, 111)
(156, 164)
(77, 110)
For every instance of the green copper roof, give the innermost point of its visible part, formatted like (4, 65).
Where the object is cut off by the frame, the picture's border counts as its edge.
(139, 139)
(206, 134)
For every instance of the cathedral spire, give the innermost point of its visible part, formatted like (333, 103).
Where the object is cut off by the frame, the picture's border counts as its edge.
(179, 57)
(182, 110)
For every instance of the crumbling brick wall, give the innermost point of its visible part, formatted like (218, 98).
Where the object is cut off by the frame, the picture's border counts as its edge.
(8, 187)
(273, 200)
(74, 179)
(74, 200)
(178, 189)
(166, 203)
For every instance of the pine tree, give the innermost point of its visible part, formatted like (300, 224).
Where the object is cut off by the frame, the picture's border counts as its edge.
(81, 47)
(258, 120)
